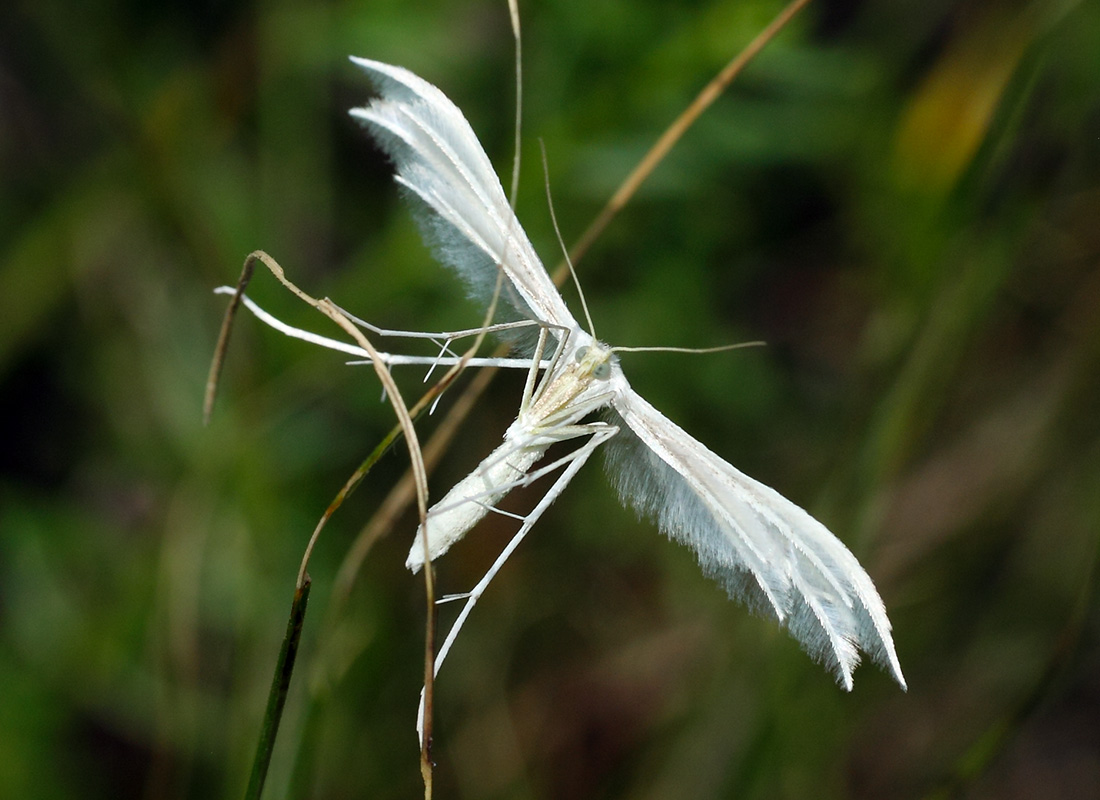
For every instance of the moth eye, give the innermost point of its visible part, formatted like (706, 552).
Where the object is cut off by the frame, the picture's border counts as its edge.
(602, 371)
(581, 353)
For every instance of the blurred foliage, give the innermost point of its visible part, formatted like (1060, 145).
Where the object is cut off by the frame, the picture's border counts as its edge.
(902, 199)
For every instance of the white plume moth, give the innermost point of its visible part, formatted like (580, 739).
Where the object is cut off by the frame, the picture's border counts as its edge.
(765, 551)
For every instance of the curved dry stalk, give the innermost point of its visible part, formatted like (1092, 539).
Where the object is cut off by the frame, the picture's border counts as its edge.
(404, 419)
(416, 479)
(220, 349)
(419, 479)
(418, 473)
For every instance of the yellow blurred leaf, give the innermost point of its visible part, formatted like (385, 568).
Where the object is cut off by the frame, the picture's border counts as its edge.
(950, 113)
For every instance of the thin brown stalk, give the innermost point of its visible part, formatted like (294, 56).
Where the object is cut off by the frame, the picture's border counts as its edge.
(222, 346)
(396, 400)
(286, 660)
(420, 479)
(711, 92)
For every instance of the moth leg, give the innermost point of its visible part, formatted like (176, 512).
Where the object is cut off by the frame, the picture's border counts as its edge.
(600, 433)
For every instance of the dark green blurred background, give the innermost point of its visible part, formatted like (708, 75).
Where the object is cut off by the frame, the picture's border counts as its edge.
(902, 199)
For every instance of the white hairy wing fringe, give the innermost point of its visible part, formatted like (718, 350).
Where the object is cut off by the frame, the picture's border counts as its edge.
(459, 202)
(765, 551)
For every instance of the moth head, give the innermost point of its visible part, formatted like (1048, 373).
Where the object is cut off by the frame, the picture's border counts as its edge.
(594, 359)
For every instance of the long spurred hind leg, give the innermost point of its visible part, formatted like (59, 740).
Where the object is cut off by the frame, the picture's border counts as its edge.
(600, 433)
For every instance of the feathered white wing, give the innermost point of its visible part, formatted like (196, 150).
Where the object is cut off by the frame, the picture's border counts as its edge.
(460, 204)
(765, 550)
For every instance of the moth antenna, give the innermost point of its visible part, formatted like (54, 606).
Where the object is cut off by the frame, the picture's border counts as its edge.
(697, 350)
(561, 242)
